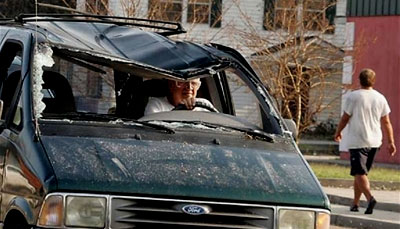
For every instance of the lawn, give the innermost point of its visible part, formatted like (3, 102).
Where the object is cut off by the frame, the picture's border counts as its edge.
(343, 172)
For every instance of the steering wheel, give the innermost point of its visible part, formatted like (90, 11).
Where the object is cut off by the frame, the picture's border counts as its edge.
(199, 104)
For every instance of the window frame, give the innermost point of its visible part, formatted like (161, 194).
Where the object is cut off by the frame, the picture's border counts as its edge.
(97, 6)
(195, 4)
(272, 6)
(214, 15)
(166, 15)
(19, 52)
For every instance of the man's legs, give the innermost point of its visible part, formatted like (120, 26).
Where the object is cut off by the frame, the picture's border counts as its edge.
(361, 162)
(362, 187)
(357, 193)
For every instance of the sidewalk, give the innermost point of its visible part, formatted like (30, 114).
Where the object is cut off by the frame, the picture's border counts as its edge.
(340, 192)
(386, 213)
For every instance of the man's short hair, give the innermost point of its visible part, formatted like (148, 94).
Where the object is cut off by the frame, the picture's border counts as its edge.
(367, 77)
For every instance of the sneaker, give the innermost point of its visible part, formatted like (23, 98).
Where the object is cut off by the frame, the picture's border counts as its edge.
(354, 208)
(371, 204)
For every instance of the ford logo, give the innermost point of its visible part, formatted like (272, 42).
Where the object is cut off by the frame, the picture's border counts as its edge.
(195, 209)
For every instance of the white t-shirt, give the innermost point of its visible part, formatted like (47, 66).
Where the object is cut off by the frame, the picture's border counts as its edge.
(160, 104)
(366, 108)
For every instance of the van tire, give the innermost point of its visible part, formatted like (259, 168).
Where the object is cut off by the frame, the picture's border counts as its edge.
(15, 220)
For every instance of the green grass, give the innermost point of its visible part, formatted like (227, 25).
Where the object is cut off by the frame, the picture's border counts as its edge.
(343, 172)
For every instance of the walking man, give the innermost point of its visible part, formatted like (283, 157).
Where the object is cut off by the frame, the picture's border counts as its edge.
(365, 110)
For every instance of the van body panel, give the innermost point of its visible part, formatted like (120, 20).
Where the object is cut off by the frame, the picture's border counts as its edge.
(183, 165)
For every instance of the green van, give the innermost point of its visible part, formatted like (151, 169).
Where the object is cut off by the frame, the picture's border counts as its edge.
(78, 151)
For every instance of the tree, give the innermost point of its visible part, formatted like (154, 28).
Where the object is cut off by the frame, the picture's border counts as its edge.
(302, 70)
(294, 58)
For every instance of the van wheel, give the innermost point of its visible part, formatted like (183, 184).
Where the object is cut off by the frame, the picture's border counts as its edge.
(17, 225)
(15, 220)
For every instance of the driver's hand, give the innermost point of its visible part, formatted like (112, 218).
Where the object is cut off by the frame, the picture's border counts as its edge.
(189, 102)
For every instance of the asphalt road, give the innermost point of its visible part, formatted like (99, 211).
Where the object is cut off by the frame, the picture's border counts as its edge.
(337, 227)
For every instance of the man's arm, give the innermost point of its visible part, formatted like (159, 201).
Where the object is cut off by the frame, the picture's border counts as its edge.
(342, 124)
(387, 126)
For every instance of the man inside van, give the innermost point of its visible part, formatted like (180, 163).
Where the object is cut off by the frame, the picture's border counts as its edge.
(365, 110)
(180, 93)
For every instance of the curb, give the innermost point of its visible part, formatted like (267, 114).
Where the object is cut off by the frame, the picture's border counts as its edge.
(334, 199)
(354, 222)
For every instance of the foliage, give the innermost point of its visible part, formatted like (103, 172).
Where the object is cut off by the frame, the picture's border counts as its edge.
(301, 68)
(343, 172)
(294, 59)
(323, 130)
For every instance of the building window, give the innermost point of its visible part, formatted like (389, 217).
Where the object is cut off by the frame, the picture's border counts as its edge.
(198, 11)
(216, 13)
(314, 15)
(285, 13)
(205, 12)
(99, 7)
(166, 10)
(94, 84)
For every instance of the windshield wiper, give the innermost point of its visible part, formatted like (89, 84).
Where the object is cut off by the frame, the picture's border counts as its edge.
(152, 125)
(82, 116)
(256, 134)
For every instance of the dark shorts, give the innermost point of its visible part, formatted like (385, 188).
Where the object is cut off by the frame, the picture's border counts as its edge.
(361, 160)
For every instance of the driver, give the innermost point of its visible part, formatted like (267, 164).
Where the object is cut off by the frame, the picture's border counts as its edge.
(180, 93)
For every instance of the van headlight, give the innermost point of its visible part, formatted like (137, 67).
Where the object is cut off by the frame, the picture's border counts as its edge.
(52, 212)
(73, 211)
(85, 211)
(303, 219)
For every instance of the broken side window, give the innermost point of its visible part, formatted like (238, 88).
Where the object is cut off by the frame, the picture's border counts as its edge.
(73, 85)
(10, 75)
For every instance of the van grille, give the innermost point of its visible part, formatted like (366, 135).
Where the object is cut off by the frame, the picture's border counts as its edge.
(167, 213)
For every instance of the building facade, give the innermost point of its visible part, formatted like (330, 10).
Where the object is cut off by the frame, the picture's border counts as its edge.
(233, 23)
(376, 27)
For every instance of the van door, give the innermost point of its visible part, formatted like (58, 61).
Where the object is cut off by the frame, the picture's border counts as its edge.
(10, 79)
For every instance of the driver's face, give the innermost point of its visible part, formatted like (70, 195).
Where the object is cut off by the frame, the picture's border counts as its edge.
(183, 90)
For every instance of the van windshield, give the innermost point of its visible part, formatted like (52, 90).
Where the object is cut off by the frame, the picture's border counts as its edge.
(76, 89)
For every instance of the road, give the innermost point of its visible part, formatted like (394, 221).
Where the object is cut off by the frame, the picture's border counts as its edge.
(337, 227)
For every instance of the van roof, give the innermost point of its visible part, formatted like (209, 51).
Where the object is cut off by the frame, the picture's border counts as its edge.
(127, 42)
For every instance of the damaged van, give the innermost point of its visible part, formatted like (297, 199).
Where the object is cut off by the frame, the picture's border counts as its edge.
(78, 151)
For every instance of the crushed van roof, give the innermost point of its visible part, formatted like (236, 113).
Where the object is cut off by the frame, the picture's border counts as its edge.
(124, 43)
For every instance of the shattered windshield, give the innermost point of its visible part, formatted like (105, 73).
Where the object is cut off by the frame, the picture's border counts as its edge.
(79, 90)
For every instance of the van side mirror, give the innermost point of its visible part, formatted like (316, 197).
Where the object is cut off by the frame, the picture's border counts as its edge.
(291, 125)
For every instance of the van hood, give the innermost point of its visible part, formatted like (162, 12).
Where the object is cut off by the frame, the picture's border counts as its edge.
(179, 169)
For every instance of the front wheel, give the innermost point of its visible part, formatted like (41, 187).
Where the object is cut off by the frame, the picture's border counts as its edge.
(15, 221)
(17, 225)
